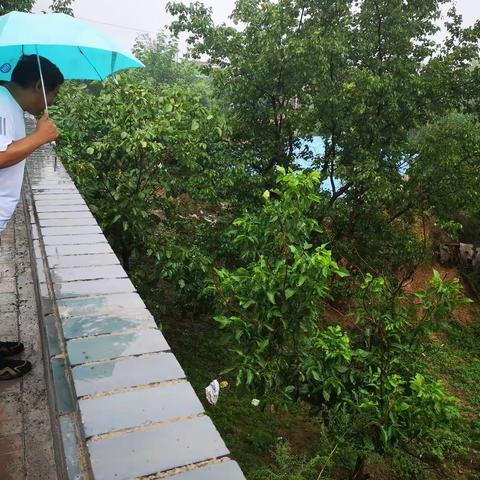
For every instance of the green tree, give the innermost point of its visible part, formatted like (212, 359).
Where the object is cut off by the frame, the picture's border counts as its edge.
(259, 73)
(157, 169)
(391, 402)
(447, 159)
(121, 152)
(363, 367)
(275, 299)
(362, 75)
(375, 88)
(160, 56)
(62, 6)
(7, 6)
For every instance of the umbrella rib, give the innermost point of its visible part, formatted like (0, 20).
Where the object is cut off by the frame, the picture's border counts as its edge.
(91, 64)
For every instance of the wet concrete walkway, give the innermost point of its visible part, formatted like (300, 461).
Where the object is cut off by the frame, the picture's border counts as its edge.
(26, 444)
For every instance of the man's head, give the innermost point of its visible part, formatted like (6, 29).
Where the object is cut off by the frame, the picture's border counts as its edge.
(27, 76)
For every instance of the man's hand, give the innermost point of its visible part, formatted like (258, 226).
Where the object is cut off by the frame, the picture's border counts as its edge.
(46, 130)
(17, 151)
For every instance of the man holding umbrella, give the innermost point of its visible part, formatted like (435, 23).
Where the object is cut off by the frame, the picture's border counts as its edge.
(24, 93)
(46, 49)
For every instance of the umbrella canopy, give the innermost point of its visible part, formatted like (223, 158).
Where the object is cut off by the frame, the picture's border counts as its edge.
(78, 50)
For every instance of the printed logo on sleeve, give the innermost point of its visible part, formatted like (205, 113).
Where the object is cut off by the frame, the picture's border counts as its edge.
(5, 68)
(3, 126)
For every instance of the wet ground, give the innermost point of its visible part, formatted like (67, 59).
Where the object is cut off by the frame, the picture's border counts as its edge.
(26, 444)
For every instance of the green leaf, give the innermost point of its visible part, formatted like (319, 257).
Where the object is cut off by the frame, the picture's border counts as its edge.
(271, 297)
(326, 394)
(402, 406)
(343, 272)
(301, 280)
(289, 292)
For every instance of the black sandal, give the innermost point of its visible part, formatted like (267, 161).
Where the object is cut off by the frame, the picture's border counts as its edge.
(7, 349)
(10, 369)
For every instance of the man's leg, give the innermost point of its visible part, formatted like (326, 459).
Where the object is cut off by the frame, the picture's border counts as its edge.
(10, 368)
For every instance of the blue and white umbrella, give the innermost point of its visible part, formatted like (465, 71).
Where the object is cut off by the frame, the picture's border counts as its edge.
(80, 51)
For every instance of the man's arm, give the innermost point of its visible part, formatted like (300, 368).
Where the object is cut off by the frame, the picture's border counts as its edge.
(19, 150)
(45, 132)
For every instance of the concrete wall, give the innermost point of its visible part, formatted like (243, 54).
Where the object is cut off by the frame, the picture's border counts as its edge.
(120, 399)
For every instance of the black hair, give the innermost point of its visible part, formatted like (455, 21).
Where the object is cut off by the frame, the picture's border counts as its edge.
(26, 73)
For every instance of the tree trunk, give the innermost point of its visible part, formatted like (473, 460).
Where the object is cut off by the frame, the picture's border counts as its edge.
(126, 253)
(358, 472)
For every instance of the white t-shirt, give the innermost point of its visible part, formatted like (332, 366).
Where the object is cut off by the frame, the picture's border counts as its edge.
(12, 128)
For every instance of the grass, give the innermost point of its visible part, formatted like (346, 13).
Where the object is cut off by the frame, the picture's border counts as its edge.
(254, 433)
(251, 433)
(454, 357)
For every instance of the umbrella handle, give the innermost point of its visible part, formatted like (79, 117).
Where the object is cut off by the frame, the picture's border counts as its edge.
(41, 79)
(52, 144)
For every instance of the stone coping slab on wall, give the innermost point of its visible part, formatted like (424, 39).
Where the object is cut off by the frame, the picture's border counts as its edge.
(122, 404)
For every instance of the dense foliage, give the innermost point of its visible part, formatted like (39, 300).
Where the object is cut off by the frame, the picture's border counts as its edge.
(62, 6)
(193, 173)
(6, 6)
(361, 75)
(282, 339)
(161, 59)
